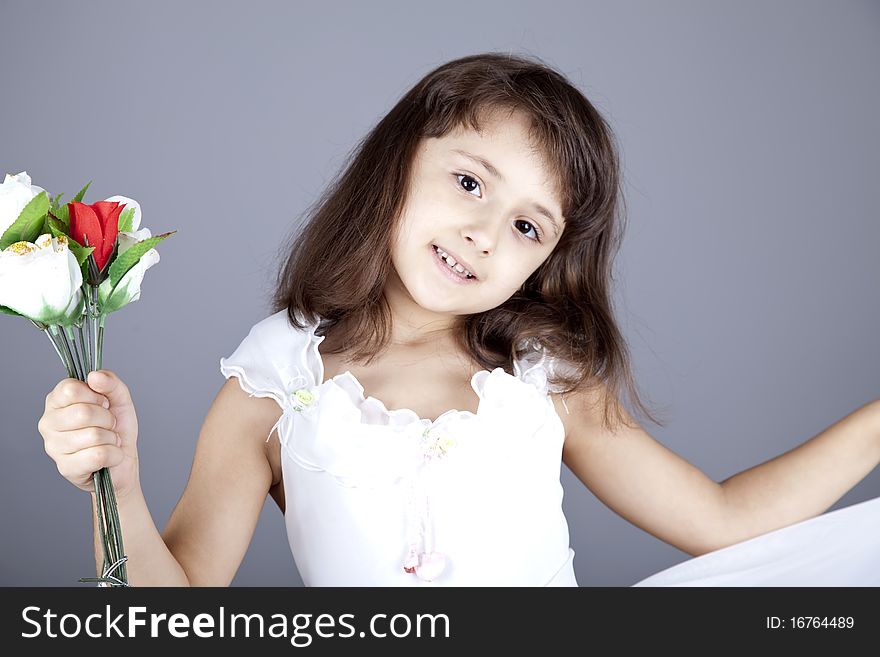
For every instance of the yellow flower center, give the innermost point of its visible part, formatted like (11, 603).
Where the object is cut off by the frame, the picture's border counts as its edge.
(304, 396)
(20, 248)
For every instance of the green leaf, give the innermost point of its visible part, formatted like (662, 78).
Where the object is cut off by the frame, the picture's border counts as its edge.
(73, 243)
(56, 228)
(125, 220)
(34, 228)
(62, 213)
(9, 311)
(129, 258)
(81, 252)
(79, 197)
(29, 222)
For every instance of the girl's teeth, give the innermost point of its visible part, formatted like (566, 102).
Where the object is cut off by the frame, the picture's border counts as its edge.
(451, 262)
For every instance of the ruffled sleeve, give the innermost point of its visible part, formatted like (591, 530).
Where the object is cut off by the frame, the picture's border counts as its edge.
(272, 360)
(553, 367)
(537, 367)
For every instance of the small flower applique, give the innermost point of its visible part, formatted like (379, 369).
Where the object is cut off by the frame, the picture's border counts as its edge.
(300, 399)
(301, 396)
(436, 444)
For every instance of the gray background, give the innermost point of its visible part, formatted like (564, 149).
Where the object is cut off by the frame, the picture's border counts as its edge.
(747, 278)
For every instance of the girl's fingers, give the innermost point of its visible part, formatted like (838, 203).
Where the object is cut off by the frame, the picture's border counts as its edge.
(70, 443)
(80, 415)
(86, 461)
(73, 391)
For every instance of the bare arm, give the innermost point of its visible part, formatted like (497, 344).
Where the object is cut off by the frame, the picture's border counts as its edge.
(211, 526)
(805, 481)
(665, 495)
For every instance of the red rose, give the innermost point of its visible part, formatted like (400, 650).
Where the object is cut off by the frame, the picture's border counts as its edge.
(99, 223)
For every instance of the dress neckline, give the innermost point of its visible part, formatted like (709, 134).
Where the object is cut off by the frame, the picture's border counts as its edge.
(362, 398)
(359, 399)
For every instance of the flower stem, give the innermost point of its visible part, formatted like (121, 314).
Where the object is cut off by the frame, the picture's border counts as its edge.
(77, 358)
(115, 530)
(60, 351)
(96, 327)
(113, 571)
(98, 479)
(61, 342)
(101, 341)
(83, 346)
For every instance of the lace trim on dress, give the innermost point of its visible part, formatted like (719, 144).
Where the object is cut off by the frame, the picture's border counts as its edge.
(518, 404)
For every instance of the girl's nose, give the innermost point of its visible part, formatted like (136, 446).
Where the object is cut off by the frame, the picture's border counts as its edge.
(483, 233)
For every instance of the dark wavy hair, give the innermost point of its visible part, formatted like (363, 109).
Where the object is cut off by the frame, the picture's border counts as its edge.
(337, 263)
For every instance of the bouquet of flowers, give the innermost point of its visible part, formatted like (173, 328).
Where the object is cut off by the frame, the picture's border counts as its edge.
(65, 268)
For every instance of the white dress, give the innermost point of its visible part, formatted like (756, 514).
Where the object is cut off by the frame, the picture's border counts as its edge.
(378, 497)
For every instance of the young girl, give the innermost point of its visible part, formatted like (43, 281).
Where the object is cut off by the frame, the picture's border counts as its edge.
(442, 339)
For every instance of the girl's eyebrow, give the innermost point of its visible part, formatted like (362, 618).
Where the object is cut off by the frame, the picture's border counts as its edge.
(488, 166)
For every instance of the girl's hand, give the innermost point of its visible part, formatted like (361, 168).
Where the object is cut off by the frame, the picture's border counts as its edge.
(82, 436)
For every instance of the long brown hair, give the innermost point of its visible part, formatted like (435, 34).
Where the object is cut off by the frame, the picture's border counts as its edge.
(337, 263)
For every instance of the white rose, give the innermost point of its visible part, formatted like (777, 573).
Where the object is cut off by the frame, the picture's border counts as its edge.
(42, 280)
(129, 288)
(15, 193)
(128, 238)
(129, 203)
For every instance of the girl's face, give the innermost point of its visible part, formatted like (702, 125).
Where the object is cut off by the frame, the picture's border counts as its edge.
(484, 217)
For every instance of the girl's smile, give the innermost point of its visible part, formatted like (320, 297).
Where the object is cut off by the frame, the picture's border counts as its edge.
(451, 268)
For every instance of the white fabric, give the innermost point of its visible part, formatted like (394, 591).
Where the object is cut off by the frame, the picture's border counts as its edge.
(837, 548)
(370, 490)
(362, 483)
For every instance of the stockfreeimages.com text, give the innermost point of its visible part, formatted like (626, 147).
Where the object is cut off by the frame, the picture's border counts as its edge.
(301, 629)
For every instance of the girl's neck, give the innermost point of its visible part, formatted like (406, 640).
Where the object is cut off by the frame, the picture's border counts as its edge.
(412, 325)
(414, 332)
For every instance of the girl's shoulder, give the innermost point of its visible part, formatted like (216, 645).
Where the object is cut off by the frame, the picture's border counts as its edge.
(274, 357)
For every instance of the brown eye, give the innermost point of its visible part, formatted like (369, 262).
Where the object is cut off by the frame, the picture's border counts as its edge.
(531, 228)
(471, 179)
